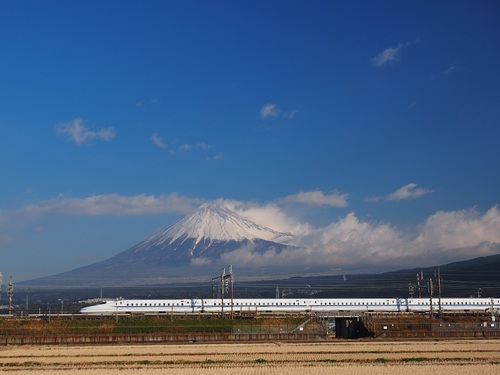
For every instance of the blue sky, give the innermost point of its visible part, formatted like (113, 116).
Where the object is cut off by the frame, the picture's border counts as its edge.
(369, 129)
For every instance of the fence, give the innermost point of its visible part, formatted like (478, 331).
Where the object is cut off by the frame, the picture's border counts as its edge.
(154, 338)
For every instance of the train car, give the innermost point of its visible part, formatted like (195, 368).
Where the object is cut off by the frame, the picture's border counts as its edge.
(453, 304)
(290, 305)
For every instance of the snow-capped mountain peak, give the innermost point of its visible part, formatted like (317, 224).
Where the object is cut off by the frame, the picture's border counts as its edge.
(214, 222)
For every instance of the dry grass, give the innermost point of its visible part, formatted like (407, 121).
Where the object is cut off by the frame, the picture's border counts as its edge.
(460, 357)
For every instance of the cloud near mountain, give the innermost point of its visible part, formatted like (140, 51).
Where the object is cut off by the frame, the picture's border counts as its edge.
(352, 243)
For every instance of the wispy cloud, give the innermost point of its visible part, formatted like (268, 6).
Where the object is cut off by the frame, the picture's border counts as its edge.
(318, 198)
(77, 132)
(390, 55)
(450, 70)
(215, 157)
(110, 204)
(175, 148)
(203, 146)
(158, 141)
(185, 147)
(409, 191)
(271, 110)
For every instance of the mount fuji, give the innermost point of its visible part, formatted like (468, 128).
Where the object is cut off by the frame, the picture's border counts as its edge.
(192, 249)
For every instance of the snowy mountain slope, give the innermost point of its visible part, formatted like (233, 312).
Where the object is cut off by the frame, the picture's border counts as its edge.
(211, 224)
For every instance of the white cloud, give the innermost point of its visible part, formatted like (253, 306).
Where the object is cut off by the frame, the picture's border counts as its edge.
(389, 55)
(270, 215)
(272, 110)
(157, 141)
(111, 204)
(351, 243)
(203, 146)
(185, 147)
(460, 229)
(77, 132)
(269, 110)
(318, 198)
(215, 157)
(409, 191)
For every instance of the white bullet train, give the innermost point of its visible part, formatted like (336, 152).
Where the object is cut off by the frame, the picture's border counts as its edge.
(290, 305)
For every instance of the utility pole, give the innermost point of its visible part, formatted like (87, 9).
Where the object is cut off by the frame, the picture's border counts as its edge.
(492, 305)
(232, 290)
(216, 287)
(223, 282)
(420, 277)
(223, 273)
(431, 291)
(411, 290)
(439, 292)
(10, 290)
